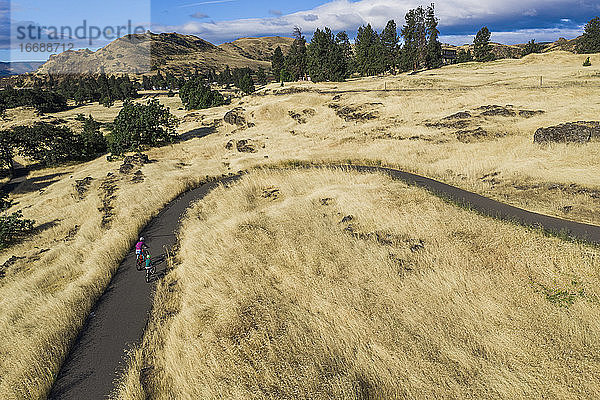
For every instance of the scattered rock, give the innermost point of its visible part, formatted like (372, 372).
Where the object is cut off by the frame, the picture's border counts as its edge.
(326, 201)
(497, 111)
(243, 145)
(567, 209)
(235, 117)
(347, 219)
(471, 135)
(138, 177)
(82, 186)
(71, 234)
(301, 117)
(530, 113)
(571, 132)
(7, 264)
(349, 114)
(336, 97)
(458, 115)
(130, 162)
(270, 193)
(108, 187)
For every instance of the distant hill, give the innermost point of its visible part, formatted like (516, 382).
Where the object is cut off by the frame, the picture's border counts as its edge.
(167, 52)
(260, 49)
(18, 67)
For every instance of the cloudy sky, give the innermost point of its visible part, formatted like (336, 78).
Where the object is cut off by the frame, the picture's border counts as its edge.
(511, 21)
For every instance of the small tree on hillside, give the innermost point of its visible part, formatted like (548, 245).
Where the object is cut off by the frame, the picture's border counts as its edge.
(481, 46)
(277, 62)
(463, 56)
(246, 84)
(196, 94)
(138, 125)
(295, 61)
(531, 47)
(261, 77)
(590, 41)
(414, 33)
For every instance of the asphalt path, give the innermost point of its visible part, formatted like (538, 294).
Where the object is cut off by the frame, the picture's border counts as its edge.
(117, 321)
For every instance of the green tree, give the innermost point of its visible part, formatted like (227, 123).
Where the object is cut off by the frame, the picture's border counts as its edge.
(295, 61)
(328, 56)
(246, 84)
(433, 55)
(369, 52)
(587, 62)
(414, 33)
(481, 46)
(196, 94)
(14, 227)
(91, 140)
(8, 147)
(389, 40)
(140, 125)
(47, 143)
(277, 62)
(531, 47)
(590, 41)
(463, 56)
(261, 77)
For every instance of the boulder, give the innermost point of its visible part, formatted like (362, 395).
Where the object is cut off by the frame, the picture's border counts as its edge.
(235, 117)
(571, 132)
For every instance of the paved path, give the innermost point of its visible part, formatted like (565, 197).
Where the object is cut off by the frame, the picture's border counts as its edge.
(118, 320)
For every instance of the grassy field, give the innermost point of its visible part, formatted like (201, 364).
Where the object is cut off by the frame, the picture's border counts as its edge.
(58, 274)
(278, 295)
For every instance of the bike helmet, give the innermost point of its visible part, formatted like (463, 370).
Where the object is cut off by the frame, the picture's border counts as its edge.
(142, 239)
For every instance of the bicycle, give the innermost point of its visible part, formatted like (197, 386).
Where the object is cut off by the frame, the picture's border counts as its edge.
(150, 268)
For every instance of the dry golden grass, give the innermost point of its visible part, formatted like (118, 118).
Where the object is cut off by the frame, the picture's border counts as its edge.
(46, 296)
(274, 297)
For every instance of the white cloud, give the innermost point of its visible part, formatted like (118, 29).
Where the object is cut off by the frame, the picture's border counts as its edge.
(349, 15)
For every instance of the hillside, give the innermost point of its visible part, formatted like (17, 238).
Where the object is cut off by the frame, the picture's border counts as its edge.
(260, 49)
(141, 53)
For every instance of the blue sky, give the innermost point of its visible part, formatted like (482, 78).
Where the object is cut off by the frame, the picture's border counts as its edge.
(511, 21)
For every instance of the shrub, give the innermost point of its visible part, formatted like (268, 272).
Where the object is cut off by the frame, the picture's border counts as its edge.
(587, 62)
(138, 125)
(196, 94)
(13, 227)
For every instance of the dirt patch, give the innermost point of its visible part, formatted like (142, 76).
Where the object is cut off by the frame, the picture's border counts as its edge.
(302, 116)
(235, 117)
(571, 132)
(356, 113)
(82, 186)
(387, 239)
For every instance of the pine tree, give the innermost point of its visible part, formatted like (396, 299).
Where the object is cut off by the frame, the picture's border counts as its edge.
(369, 52)
(590, 41)
(531, 47)
(295, 62)
(277, 62)
(389, 40)
(481, 46)
(414, 33)
(261, 77)
(328, 56)
(464, 56)
(433, 56)
(345, 52)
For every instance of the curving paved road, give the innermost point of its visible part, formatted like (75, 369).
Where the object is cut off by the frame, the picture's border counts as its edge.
(118, 320)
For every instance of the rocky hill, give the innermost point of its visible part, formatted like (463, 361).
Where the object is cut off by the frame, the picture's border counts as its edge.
(173, 52)
(260, 49)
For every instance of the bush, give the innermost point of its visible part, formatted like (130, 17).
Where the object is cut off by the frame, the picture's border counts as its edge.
(587, 62)
(43, 101)
(196, 94)
(139, 125)
(13, 227)
(91, 140)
